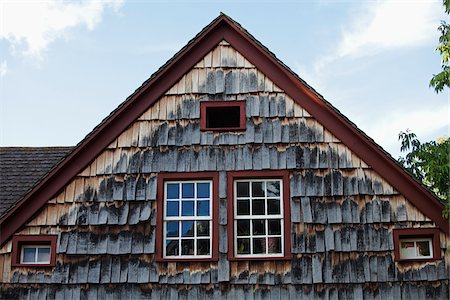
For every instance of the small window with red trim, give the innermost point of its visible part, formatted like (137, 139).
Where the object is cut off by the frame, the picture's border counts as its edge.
(222, 115)
(416, 244)
(34, 250)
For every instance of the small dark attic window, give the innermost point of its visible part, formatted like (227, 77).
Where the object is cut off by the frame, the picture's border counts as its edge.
(222, 115)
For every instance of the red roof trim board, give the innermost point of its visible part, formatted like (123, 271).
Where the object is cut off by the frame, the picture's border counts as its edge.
(222, 28)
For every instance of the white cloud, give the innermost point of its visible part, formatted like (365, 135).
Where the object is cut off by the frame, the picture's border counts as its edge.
(3, 69)
(30, 26)
(386, 25)
(386, 129)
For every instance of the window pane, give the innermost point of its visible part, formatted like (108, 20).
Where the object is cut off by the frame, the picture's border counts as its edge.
(259, 227)
(173, 191)
(257, 189)
(29, 255)
(423, 248)
(243, 246)
(273, 188)
(187, 228)
(43, 255)
(172, 229)
(243, 207)
(203, 247)
(187, 208)
(187, 247)
(172, 247)
(187, 190)
(259, 245)
(273, 206)
(203, 190)
(258, 207)
(274, 226)
(407, 250)
(202, 228)
(203, 208)
(274, 245)
(243, 227)
(243, 189)
(172, 208)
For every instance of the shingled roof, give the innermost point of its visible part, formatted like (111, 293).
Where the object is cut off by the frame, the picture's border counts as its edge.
(22, 167)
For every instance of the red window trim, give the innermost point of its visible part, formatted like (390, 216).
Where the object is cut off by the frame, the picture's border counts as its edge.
(234, 175)
(205, 104)
(22, 240)
(163, 177)
(405, 233)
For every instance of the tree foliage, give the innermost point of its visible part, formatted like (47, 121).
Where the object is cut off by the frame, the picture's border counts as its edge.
(429, 162)
(442, 79)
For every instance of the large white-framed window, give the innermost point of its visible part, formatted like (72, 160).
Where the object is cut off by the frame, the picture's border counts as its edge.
(187, 220)
(35, 254)
(258, 218)
(416, 248)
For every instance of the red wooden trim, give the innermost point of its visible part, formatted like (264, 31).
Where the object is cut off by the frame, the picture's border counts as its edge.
(23, 240)
(205, 104)
(221, 28)
(405, 233)
(163, 177)
(284, 175)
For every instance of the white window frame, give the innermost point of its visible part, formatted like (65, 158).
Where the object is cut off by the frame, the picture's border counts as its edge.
(415, 241)
(35, 262)
(188, 218)
(266, 217)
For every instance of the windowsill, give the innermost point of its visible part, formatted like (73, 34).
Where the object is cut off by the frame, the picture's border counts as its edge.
(262, 258)
(224, 129)
(186, 260)
(407, 260)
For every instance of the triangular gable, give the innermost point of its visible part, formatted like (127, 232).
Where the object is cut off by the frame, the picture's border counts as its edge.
(222, 28)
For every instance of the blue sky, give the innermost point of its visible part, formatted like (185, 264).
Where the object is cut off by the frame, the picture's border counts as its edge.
(64, 66)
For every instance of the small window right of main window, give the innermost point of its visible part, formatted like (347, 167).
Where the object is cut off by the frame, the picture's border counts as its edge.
(416, 244)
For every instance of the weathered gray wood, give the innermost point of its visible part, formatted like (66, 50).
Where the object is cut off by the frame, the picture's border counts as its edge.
(329, 238)
(223, 240)
(82, 242)
(223, 268)
(334, 213)
(316, 269)
(113, 244)
(105, 269)
(149, 242)
(306, 210)
(94, 271)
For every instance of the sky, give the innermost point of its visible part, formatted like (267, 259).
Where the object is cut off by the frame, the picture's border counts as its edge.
(65, 65)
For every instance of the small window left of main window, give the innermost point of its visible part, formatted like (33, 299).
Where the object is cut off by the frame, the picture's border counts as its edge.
(187, 221)
(34, 250)
(35, 254)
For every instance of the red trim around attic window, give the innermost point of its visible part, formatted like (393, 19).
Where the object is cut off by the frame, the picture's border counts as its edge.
(19, 241)
(284, 175)
(163, 177)
(204, 105)
(221, 28)
(406, 233)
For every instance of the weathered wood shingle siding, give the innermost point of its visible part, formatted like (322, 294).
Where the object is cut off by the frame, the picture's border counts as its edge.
(342, 212)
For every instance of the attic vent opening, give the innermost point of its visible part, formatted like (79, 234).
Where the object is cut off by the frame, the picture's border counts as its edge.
(223, 115)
